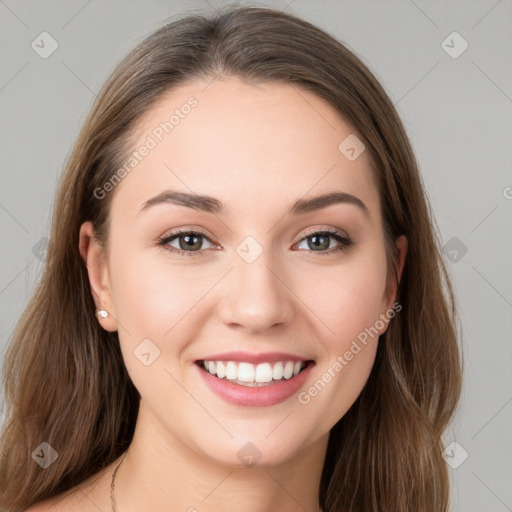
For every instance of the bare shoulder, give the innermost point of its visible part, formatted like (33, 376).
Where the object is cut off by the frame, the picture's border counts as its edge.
(89, 496)
(69, 500)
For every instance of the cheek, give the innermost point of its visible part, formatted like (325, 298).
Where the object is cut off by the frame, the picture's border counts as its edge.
(351, 310)
(350, 297)
(349, 302)
(154, 303)
(158, 298)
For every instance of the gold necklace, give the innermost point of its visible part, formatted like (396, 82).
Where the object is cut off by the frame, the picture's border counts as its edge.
(112, 485)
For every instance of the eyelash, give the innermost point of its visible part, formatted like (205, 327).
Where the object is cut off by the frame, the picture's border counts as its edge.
(344, 241)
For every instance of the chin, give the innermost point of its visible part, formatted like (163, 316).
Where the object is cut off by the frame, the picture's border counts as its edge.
(248, 450)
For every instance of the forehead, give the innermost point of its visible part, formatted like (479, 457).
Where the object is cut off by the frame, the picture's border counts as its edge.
(247, 145)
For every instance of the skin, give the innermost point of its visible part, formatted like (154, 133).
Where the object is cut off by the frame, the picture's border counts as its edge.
(257, 149)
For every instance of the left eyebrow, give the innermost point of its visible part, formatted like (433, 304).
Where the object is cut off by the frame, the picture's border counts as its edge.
(197, 202)
(317, 203)
(212, 205)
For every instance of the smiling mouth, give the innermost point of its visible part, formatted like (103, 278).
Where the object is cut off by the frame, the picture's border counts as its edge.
(250, 375)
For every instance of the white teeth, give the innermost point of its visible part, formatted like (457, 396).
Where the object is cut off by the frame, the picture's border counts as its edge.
(263, 372)
(288, 370)
(246, 372)
(277, 371)
(221, 369)
(231, 371)
(253, 375)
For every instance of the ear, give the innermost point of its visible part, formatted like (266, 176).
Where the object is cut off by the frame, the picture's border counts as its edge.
(98, 273)
(401, 244)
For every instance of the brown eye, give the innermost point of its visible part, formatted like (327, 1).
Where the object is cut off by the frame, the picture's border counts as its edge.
(320, 242)
(189, 242)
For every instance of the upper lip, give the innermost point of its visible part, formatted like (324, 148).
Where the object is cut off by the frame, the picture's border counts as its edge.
(262, 357)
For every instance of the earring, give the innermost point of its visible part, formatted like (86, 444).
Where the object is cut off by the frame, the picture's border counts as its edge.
(101, 313)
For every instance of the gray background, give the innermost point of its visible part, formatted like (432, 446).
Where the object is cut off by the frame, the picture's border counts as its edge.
(457, 112)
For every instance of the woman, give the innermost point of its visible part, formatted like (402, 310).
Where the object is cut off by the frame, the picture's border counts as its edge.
(243, 301)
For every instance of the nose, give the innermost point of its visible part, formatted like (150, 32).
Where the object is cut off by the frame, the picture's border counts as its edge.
(256, 297)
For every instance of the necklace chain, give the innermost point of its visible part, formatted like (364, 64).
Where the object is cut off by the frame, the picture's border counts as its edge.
(112, 486)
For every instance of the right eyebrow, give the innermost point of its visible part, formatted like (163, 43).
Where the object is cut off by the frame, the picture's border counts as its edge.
(213, 205)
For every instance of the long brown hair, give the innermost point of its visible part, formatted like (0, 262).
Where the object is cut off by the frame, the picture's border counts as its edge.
(64, 377)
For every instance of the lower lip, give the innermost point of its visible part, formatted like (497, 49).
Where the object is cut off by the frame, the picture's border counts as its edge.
(262, 396)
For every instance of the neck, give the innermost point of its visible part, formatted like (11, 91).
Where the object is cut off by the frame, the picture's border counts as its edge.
(160, 472)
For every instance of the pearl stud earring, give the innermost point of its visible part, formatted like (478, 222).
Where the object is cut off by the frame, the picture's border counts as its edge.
(101, 313)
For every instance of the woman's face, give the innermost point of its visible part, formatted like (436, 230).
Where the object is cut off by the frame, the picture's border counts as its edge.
(256, 281)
